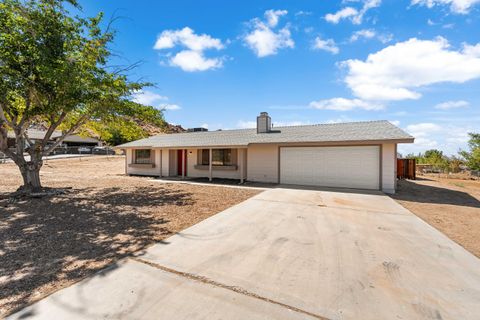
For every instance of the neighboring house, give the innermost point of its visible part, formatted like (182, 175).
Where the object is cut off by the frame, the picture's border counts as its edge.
(349, 155)
(74, 140)
(71, 140)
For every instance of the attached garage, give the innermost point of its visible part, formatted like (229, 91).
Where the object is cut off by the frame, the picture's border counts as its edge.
(347, 167)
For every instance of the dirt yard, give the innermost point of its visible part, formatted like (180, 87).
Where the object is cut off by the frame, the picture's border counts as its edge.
(49, 243)
(450, 205)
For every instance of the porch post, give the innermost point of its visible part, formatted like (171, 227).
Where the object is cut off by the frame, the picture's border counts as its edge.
(241, 163)
(161, 156)
(210, 164)
(183, 163)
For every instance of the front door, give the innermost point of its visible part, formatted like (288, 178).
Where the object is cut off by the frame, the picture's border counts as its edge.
(181, 164)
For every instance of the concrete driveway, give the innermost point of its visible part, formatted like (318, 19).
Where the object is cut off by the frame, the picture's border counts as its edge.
(287, 254)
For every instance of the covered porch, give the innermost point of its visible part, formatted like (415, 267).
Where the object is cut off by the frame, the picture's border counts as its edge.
(225, 162)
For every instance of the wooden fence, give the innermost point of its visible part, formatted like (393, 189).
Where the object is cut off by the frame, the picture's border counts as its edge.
(406, 169)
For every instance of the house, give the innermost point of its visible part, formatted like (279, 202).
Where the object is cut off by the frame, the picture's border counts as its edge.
(349, 155)
(72, 140)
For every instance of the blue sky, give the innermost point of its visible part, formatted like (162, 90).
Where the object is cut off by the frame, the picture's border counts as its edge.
(219, 63)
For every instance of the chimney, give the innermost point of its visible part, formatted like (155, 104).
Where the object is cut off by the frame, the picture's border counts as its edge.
(264, 123)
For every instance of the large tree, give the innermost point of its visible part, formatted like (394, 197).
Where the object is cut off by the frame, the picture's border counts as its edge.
(472, 157)
(54, 69)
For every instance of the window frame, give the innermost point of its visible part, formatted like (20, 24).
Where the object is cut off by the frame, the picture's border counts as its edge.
(144, 159)
(224, 157)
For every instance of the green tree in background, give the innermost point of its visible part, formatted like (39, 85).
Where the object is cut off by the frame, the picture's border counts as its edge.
(53, 68)
(472, 157)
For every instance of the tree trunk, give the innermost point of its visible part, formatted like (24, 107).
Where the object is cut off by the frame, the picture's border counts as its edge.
(31, 176)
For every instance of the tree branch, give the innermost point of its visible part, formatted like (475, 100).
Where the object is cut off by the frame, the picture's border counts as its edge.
(80, 122)
(52, 128)
(3, 130)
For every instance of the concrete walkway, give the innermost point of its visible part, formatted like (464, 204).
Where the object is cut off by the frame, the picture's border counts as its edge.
(287, 254)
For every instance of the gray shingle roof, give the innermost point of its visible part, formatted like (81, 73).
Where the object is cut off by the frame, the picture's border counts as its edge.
(337, 132)
(35, 134)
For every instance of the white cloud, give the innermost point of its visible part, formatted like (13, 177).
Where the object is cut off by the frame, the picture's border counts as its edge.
(423, 134)
(340, 119)
(456, 6)
(422, 129)
(204, 125)
(447, 137)
(246, 124)
(189, 60)
(364, 33)
(289, 123)
(385, 37)
(146, 97)
(171, 107)
(369, 34)
(343, 104)
(264, 40)
(452, 105)
(327, 45)
(395, 122)
(356, 16)
(150, 98)
(192, 58)
(303, 13)
(341, 14)
(394, 72)
(187, 38)
(273, 16)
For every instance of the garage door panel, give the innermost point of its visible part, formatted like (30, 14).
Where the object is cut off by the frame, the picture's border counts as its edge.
(348, 167)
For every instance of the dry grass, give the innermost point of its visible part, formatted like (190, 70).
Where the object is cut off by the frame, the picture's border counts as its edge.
(450, 205)
(49, 243)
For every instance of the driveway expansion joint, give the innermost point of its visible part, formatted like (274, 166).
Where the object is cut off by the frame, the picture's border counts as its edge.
(235, 289)
(334, 207)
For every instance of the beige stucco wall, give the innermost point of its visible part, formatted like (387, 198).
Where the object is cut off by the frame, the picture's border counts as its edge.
(155, 171)
(389, 167)
(262, 163)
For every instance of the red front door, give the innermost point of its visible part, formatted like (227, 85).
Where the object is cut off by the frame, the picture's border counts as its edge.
(181, 164)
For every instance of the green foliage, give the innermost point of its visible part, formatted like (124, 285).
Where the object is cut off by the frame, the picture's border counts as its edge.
(454, 164)
(438, 160)
(53, 69)
(128, 126)
(472, 157)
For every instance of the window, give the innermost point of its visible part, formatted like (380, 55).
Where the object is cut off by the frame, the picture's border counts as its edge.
(205, 156)
(143, 156)
(220, 157)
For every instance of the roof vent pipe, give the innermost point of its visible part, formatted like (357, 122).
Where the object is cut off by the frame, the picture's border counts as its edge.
(264, 123)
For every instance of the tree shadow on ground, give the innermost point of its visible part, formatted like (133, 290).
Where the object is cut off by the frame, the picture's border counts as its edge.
(51, 242)
(415, 192)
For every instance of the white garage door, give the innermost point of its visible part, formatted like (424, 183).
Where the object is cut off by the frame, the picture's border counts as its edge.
(346, 167)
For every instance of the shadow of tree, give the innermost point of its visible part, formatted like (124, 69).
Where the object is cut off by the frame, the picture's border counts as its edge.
(50, 242)
(416, 192)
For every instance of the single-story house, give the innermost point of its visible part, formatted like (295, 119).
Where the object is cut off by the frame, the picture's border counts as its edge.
(72, 140)
(350, 155)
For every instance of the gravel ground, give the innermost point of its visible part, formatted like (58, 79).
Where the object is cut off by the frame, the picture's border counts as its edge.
(450, 205)
(49, 243)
